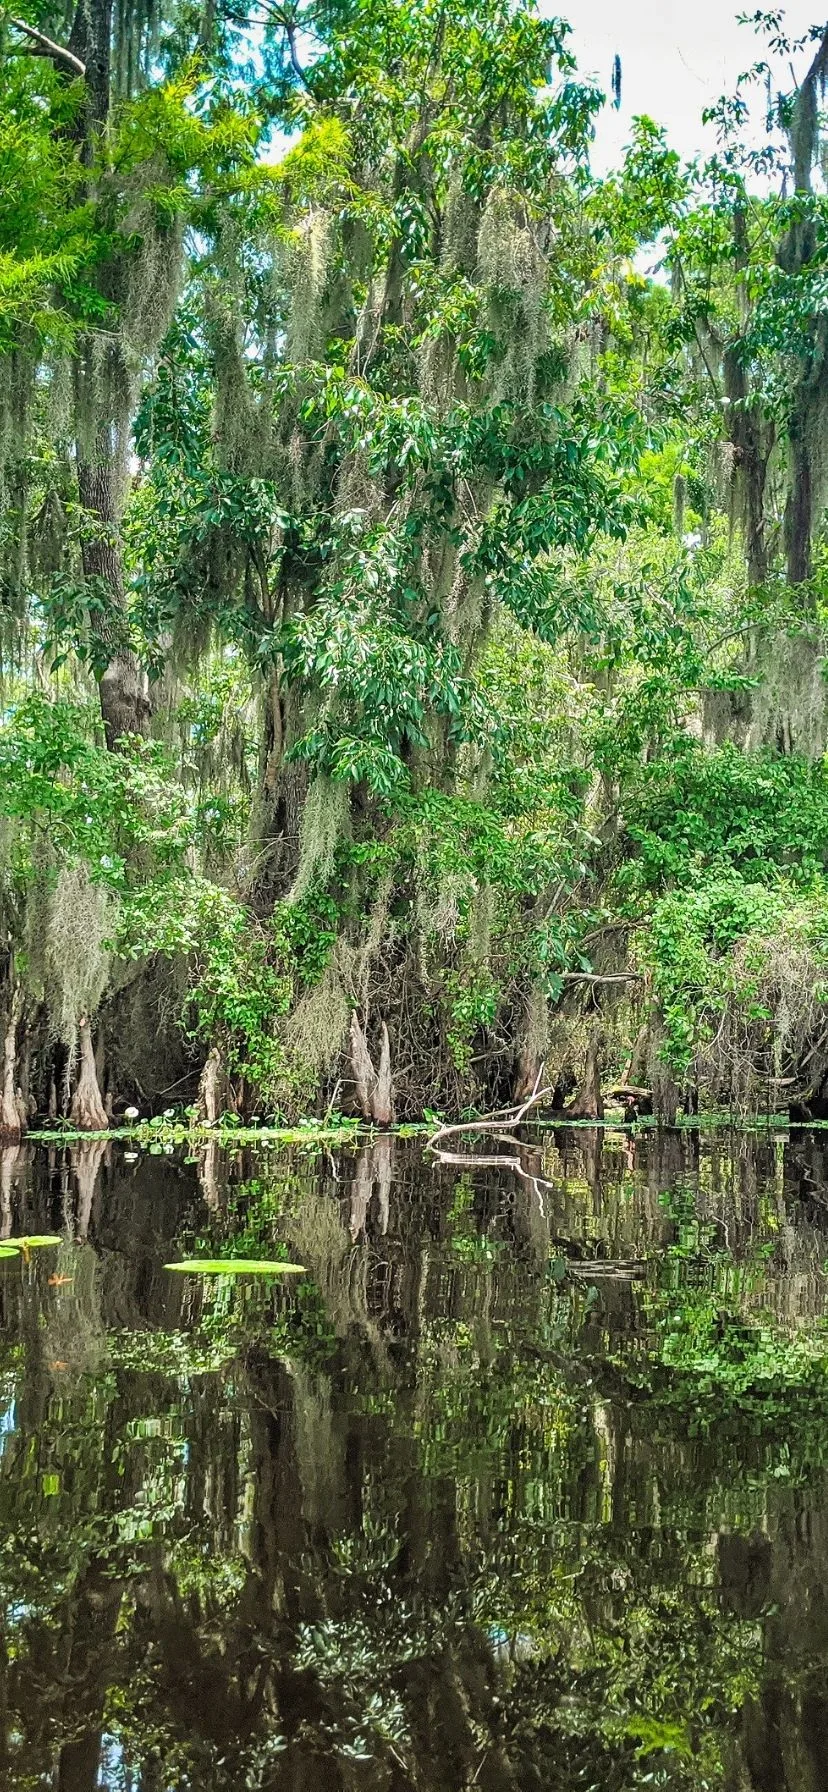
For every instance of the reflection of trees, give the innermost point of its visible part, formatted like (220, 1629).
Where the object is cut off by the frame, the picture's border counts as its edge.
(398, 1537)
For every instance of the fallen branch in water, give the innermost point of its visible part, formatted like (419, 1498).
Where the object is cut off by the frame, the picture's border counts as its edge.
(497, 1161)
(592, 1268)
(503, 1120)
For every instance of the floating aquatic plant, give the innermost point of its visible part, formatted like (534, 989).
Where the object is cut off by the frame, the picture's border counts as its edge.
(236, 1266)
(20, 1247)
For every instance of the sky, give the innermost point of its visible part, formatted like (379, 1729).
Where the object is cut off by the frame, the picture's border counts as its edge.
(677, 56)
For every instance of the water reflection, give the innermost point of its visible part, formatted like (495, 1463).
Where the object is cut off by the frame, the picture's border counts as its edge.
(419, 1521)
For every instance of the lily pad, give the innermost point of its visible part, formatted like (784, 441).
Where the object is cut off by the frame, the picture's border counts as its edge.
(236, 1266)
(20, 1247)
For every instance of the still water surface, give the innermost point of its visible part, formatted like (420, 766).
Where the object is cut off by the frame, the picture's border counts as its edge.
(464, 1507)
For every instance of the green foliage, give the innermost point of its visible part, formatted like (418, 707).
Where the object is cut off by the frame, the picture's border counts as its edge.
(696, 971)
(436, 538)
(236, 988)
(700, 812)
(123, 819)
(472, 1004)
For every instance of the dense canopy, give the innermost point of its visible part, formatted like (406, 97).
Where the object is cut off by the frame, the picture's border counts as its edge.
(412, 571)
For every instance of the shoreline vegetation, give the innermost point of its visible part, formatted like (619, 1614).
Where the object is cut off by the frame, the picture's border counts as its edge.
(413, 578)
(357, 1133)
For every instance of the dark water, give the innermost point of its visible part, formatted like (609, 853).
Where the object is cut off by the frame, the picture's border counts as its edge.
(453, 1511)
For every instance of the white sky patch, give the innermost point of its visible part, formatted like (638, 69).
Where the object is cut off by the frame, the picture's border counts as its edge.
(676, 59)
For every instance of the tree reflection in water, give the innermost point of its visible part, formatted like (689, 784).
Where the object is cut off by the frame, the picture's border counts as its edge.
(443, 1515)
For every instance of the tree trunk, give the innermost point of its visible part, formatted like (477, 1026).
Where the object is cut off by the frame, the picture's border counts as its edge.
(374, 1087)
(363, 1069)
(102, 424)
(283, 788)
(588, 1103)
(210, 1087)
(91, 40)
(122, 685)
(88, 1113)
(382, 1105)
(752, 439)
(799, 507)
(12, 1119)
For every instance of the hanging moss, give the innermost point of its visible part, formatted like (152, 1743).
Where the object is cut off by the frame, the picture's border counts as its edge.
(69, 924)
(515, 273)
(309, 258)
(325, 823)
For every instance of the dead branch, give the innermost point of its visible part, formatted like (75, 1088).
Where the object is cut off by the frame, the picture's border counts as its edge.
(45, 46)
(600, 1266)
(502, 1120)
(497, 1161)
(593, 977)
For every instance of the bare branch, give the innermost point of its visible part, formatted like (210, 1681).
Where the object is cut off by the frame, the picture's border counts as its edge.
(592, 977)
(44, 46)
(503, 1120)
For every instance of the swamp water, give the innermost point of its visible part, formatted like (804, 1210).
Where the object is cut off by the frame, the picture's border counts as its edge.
(523, 1485)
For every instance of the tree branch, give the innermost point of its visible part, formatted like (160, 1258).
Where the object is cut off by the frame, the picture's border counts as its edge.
(57, 53)
(282, 17)
(503, 1120)
(592, 977)
(290, 33)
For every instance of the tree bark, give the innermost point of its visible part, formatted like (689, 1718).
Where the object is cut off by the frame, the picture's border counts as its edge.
(588, 1103)
(383, 1100)
(12, 1119)
(123, 687)
(362, 1067)
(88, 1113)
(209, 1088)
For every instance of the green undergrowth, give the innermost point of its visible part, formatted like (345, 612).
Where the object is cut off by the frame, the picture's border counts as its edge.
(156, 1134)
(347, 1131)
